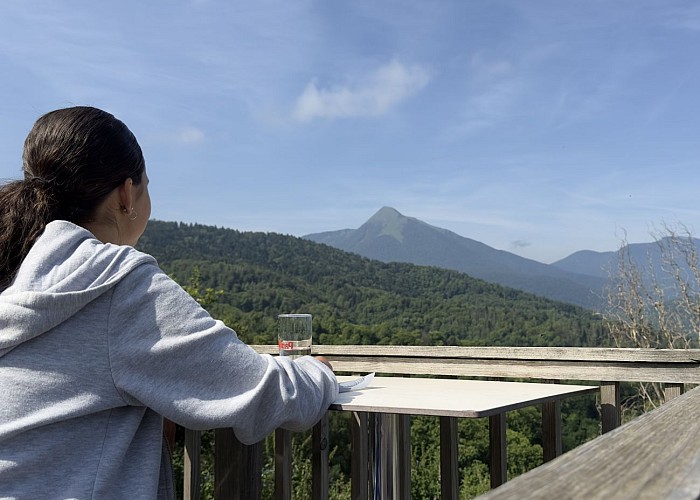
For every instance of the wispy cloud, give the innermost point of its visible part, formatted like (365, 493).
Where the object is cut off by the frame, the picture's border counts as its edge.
(189, 135)
(687, 17)
(376, 94)
(519, 244)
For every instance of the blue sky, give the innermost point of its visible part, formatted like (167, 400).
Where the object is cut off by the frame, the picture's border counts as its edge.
(538, 127)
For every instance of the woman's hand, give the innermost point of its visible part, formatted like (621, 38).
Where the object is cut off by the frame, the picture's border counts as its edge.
(324, 361)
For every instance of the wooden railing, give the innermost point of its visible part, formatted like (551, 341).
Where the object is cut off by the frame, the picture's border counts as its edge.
(237, 468)
(655, 456)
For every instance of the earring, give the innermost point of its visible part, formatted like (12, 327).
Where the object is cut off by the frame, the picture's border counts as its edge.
(133, 214)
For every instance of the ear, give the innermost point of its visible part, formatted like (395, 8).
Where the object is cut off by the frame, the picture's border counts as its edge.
(126, 195)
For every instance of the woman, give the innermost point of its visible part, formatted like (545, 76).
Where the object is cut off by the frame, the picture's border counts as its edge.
(97, 344)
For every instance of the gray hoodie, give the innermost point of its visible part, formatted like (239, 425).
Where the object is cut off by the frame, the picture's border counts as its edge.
(96, 343)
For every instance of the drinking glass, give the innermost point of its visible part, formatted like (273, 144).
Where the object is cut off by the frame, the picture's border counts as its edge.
(294, 334)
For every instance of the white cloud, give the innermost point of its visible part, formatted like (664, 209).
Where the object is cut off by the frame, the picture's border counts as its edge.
(375, 95)
(190, 135)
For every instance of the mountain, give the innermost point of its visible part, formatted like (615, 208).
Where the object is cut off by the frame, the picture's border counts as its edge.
(246, 279)
(588, 262)
(389, 236)
(652, 260)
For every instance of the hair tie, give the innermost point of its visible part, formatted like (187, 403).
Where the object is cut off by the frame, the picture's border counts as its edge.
(40, 183)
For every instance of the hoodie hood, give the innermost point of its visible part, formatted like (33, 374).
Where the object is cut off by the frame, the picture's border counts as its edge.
(66, 269)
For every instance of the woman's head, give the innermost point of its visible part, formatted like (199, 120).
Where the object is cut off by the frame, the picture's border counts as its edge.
(79, 156)
(82, 165)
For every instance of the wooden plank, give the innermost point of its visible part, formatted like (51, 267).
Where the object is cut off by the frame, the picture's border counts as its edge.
(570, 363)
(551, 430)
(449, 463)
(642, 372)
(283, 464)
(512, 353)
(497, 449)
(672, 391)
(319, 460)
(192, 487)
(610, 413)
(359, 432)
(237, 467)
(224, 464)
(654, 456)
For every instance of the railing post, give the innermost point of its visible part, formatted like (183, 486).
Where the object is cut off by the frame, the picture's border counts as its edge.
(610, 406)
(449, 464)
(551, 430)
(192, 486)
(319, 459)
(283, 464)
(497, 447)
(237, 468)
(359, 432)
(672, 391)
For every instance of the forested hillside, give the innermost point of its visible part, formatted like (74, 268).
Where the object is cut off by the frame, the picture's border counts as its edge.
(356, 300)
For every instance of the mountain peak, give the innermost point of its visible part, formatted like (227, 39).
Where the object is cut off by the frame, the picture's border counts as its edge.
(390, 221)
(386, 214)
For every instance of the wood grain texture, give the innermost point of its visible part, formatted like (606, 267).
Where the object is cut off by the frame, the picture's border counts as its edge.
(237, 467)
(192, 489)
(283, 464)
(319, 459)
(654, 456)
(449, 465)
(610, 414)
(525, 353)
(559, 363)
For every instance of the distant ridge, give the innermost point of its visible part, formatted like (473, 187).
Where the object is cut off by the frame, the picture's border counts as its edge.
(647, 257)
(588, 262)
(389, 236)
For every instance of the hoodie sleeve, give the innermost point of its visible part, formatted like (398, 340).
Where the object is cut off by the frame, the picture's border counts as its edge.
(167, 353)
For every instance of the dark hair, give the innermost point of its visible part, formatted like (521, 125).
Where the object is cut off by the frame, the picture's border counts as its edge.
(72, 159)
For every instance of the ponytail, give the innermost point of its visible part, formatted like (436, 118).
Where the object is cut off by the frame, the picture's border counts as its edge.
(27, 206)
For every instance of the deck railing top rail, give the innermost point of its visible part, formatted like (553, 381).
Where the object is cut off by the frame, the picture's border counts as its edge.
(558, 363)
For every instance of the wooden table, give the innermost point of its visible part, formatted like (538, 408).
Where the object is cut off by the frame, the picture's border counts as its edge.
(392, 399)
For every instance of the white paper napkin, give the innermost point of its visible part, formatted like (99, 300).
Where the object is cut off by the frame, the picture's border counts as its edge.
(357, 383)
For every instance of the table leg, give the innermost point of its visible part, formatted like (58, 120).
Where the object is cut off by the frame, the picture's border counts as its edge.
(359, 431)
(404, 456)
(497, 445)
(392, 465)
